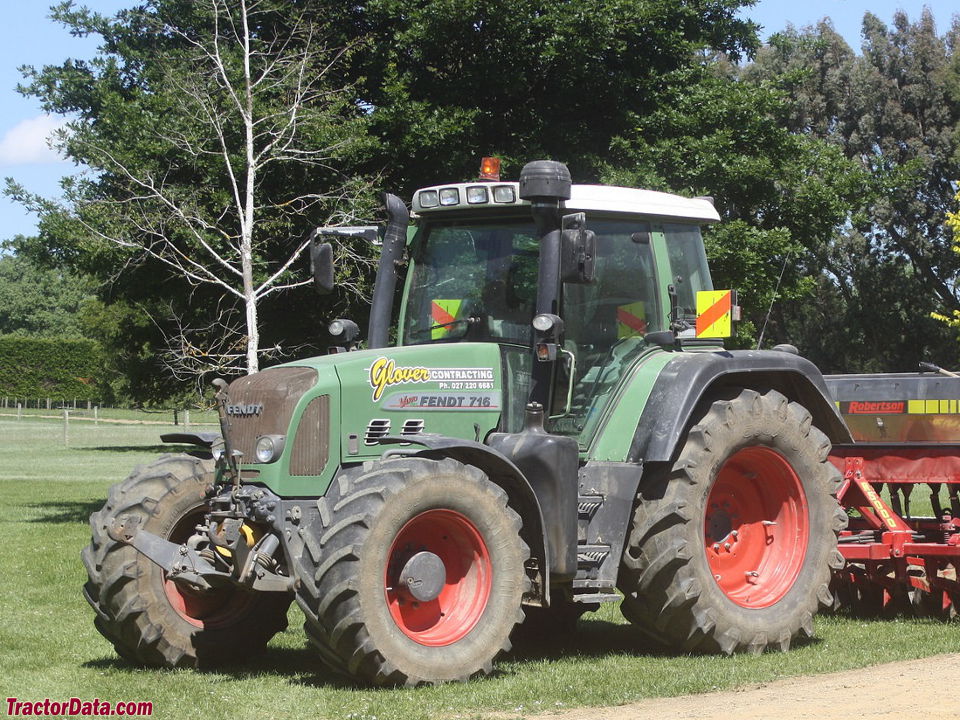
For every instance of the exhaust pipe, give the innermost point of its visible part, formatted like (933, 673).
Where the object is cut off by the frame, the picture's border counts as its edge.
(394, 240)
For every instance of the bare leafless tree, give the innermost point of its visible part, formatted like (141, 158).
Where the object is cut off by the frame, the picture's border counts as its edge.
(253, 97)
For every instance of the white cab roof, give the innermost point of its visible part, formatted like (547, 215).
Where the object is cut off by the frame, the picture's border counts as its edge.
(595, 198)
(608, 198)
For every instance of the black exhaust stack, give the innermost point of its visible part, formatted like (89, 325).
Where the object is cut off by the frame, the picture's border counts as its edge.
(394, 240)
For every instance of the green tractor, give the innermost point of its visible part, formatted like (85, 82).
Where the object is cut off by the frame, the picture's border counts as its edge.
(552, 430)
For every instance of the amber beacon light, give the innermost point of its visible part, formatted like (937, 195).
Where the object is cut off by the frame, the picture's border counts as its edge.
(490, 169)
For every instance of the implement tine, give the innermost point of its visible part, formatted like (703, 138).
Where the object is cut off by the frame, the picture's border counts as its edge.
(906, 489)
(935, 500)
(895, 498)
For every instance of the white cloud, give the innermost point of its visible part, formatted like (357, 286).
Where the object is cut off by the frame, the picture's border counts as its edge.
(27, 142)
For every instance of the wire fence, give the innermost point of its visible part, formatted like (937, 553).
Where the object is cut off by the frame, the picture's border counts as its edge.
(92, 411)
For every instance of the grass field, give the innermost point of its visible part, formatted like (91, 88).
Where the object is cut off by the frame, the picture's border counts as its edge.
(49, 648)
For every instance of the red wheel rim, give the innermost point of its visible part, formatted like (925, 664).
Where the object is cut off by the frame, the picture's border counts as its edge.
(756, 527)
(468, 578)
(209, 609)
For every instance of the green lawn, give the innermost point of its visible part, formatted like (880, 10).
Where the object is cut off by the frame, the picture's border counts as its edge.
(49, 648)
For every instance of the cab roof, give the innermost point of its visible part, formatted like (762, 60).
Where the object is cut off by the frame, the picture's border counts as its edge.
(439, 199)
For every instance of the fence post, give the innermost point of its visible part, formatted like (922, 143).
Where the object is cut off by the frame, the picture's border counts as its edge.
(19, 411)
(186, 418)
(96, 414)
(66, 427)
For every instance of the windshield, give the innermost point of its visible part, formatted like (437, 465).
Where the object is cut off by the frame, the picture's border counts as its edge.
(473, 281)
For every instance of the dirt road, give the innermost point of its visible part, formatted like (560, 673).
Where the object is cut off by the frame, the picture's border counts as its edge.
(894, 691)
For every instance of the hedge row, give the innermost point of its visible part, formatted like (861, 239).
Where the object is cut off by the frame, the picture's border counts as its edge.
(41, 367)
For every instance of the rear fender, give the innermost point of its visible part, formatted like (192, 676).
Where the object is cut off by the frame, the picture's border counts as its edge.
(691, 378)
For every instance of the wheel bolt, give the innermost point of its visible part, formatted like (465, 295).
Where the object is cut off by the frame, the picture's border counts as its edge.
(734, 533)
(716, 547)
(726, 546)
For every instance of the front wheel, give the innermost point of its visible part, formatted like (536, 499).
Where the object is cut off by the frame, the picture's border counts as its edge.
(150, 619)
(732, 547)
(417, 575)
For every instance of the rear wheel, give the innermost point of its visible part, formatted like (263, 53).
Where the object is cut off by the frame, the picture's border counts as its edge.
(732, 547)
(418, 574)
(150, 619)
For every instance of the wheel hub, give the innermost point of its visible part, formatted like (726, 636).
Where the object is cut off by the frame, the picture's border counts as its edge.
(756, 527)
(424, 576)
(438, 577)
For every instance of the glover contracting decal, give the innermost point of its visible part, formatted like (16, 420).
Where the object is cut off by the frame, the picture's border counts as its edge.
(384, 373)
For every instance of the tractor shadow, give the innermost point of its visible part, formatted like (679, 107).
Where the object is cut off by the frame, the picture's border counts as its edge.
(154, 449)
(299, 666)
(60, 511)
(591, 638)
(302, 666)
(597, 638)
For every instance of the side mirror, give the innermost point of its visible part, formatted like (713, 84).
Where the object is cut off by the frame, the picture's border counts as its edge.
(321, 253)
(578, 250)
(321, 261)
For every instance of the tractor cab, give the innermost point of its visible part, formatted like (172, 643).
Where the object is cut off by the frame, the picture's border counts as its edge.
(487, 259)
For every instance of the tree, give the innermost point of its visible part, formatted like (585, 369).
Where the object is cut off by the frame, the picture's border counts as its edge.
(40, 301)
(213, 131)
(953, 225)
(895, 112)
(780, 195)
(448, 81)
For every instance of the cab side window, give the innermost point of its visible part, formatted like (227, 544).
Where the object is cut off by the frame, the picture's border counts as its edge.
(606, 320)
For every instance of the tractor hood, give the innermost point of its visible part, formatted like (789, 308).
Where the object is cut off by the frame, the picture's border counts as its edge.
(448, 389)
(334, 409)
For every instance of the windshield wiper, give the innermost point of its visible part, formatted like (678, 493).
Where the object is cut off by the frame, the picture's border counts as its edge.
(468, 321)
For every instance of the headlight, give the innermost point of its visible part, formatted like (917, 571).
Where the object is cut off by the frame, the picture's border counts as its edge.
(543, 322)
(504, 194)
(449, 196)
(429, 199)
(268, 448)
(477, 195)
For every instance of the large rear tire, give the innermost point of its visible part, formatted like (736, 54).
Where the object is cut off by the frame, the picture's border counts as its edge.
(416, 573)
(149, 619)
(732, 547)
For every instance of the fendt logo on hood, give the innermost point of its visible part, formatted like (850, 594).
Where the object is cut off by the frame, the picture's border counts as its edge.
(245, 410)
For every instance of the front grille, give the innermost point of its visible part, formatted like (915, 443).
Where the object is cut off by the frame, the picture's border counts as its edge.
(311, 446)
(276, 391)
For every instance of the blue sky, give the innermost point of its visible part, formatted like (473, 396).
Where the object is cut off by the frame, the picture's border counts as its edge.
(28, 37)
